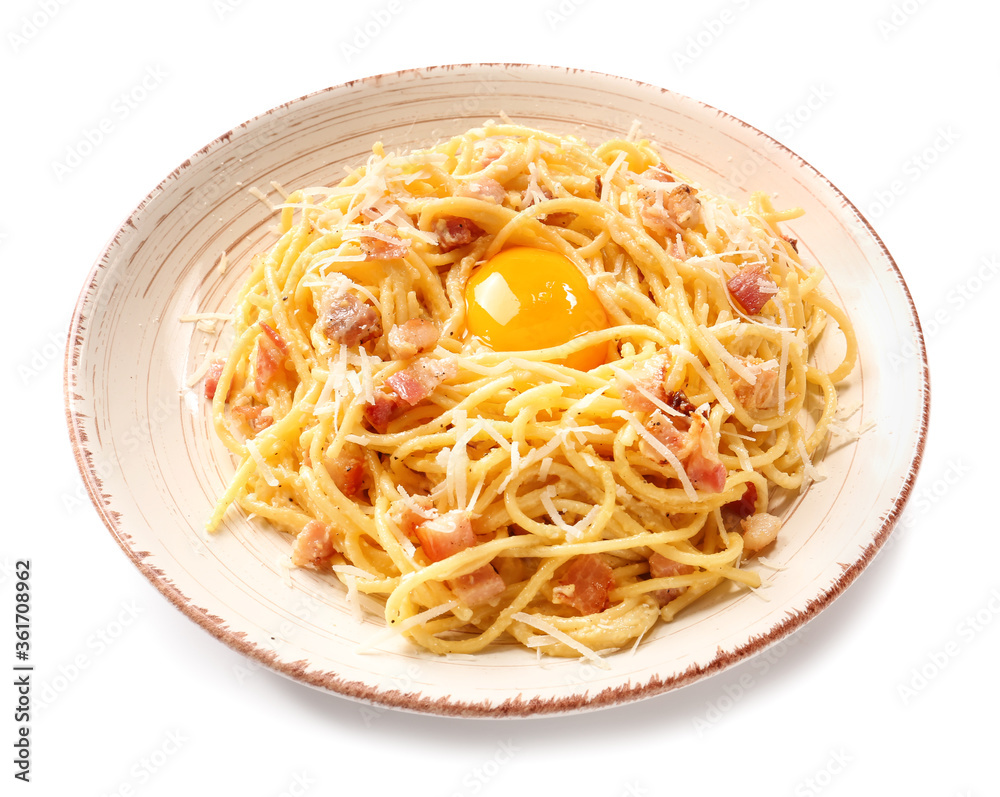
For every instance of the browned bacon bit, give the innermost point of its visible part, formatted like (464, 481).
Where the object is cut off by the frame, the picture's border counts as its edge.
(598, 186)
(312, 546)
(257, 417)
(585, 584)
(746, 504)
(376, 248)
(643, 381)
(483, 585)
(411, 512)
(212, 377)
(447, 534)
(272, 353)
(485, 188)
(792, 242)
(683, 206)
(386, 407)
(412, 337)
(662, 567)
(347, 469)
(455, 231)
(674, 439)
(417, 381)
(677, 400)
(489, 152)
(752, 287)
(346, 319)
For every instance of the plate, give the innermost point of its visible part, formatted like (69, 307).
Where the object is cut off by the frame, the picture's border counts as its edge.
(154, 470)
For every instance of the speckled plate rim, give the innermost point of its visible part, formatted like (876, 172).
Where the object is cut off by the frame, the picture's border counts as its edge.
(515, 705)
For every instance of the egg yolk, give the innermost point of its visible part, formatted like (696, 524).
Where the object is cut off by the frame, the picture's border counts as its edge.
(525, 298)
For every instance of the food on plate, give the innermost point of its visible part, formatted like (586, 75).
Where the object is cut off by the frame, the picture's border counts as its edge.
(514, 386)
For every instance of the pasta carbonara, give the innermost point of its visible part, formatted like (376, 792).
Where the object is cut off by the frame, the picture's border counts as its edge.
(517, 387)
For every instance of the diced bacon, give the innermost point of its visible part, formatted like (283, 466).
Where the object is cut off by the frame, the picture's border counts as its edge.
(661, 567)
(759, 531)
(792, 242)
(212, 377)
(490, 151)
(745, 505)
(446, 534)
(256, 417)
(347, 320)
(585, 584)
(678, 400)
(412, 337)
(347, 469)
(703, 466)
(763, 393)
(454, 231)
(411, 512)
(312, 546)
(646, 378)
(386, 407)
(483, 585)
(665, 430)
(683, 206)
(752, 287)
(387, 247)
(272, 353)
(694, 446)
(659, 173)
(417, 381)
(408, 388)
(485, 188)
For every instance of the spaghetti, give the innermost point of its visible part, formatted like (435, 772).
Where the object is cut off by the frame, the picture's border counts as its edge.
(395, 403)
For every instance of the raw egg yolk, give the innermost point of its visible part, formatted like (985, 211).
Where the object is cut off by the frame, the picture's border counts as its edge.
(525, 298)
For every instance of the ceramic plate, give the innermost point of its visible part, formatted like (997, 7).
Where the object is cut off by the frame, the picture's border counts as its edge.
(154, 469)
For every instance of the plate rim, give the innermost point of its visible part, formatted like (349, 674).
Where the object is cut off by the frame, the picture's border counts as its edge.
(516, 706)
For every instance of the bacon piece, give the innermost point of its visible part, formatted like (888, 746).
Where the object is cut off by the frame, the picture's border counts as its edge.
(347, 469)
(384, 409)
(454, 231)
(447, 534)
(694, 446)
(703, 466)
(257, 417)
(485, 188)
(759, 531)
(347, 320)
(662, 567)
(678, 400)
(412, 337)
(659, 173)
(752, 287)
(679, 210)
(212, 377)
(585, 584)
(745, 505)
(763, 393)
(645, 378)
(379, 248)
(411, 512)
(683, 206)
(312, 546)
(483, 585)
(490, 151)
(272, 353)
(418, 380)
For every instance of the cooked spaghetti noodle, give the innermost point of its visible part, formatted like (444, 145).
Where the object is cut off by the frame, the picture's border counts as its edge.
(526, 493)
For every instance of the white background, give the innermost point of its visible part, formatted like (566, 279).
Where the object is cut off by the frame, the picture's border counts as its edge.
(885, 692)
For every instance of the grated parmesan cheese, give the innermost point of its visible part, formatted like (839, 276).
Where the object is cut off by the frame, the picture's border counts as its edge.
(547, 628)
